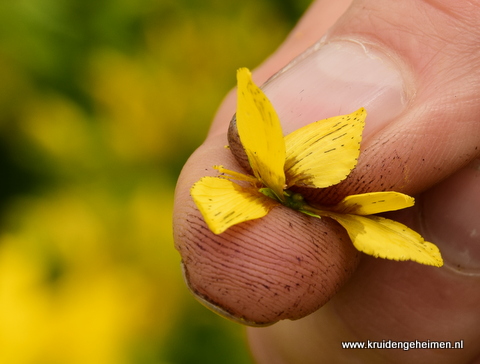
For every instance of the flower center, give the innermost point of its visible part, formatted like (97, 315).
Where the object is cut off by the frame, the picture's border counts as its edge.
(293, 200)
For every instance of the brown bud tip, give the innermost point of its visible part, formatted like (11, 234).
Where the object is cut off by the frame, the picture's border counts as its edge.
(236, 146)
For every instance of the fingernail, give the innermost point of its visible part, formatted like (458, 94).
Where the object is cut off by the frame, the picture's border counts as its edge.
(215, 307)
(334, 79)
(451, 219)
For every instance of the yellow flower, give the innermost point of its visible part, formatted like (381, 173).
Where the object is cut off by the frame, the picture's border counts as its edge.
(317, 155)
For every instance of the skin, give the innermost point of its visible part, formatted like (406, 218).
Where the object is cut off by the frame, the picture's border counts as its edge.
(431, 148)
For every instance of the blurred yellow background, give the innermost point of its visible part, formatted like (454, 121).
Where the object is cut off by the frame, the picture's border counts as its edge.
(101, 103)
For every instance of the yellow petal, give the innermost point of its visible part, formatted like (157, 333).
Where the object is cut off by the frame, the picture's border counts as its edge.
(237, 176)
(260, 133)
(373, 203)
(224, 203)
(323, 153)
(388, 239)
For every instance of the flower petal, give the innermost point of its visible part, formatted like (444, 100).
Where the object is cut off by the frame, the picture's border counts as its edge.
(224, 203)
(261, 134)
(237, 176)
(373, 203)
(323, 153)
(388, 239)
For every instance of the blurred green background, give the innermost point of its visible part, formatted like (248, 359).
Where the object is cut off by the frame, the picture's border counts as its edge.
(101, 103)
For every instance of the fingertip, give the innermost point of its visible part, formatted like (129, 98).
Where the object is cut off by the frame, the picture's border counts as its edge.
(283, 266)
